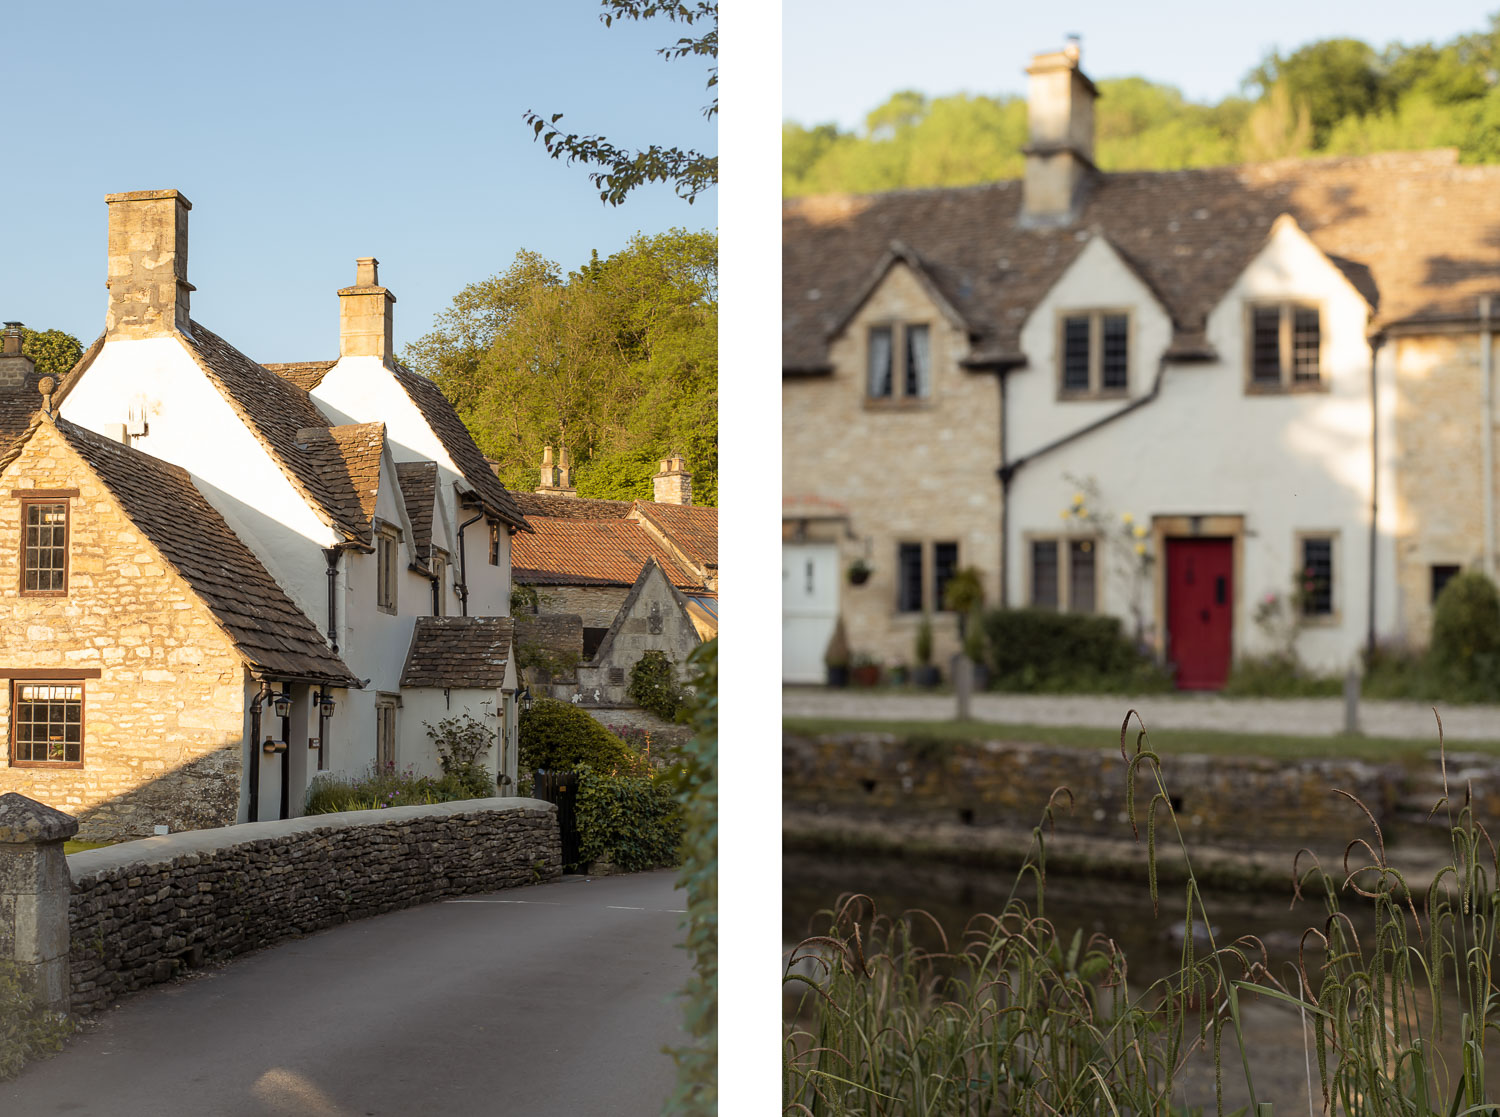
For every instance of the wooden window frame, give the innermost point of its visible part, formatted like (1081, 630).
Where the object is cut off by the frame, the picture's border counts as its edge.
(1096, 316)
(494, 543)
(898, 398)
(1286, 384)
(387, 706)
(439, 564)
(37, 497)
(387, 561)
(1334, 617)
(54, 679)
(1064, 543)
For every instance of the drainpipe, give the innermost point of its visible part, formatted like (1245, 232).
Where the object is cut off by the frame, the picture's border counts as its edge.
(1005, 475)
(252, 814)
(1487, 439)
(286, 756)
(331, 556)
(1375, 344)
(463, 563)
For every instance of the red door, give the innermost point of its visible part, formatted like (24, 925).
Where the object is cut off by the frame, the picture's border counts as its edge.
(1200, 604)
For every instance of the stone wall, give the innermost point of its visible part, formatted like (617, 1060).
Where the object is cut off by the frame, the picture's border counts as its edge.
(596, 606)
(164, 719)
(1244, 802)
(144, 911)
(654, 622)
(1439, 489)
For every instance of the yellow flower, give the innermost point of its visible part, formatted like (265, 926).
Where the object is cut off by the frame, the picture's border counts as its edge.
(1065, 513)
(1078, 498)
(1140, 531)
(1126, 518)
(1140, 548)
(1082, 511)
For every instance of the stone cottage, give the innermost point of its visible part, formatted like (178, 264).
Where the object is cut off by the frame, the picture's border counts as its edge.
(350, 484)
(1185, 398)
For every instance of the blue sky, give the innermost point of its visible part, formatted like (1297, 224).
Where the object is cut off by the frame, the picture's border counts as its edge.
(837, 68)
(308, 134)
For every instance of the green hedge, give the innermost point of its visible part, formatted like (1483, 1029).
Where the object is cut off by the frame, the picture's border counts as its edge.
(1039, 650)
(558, 736)
(633, 822)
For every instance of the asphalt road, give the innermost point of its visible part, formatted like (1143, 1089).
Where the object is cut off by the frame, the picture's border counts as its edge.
(554, 999)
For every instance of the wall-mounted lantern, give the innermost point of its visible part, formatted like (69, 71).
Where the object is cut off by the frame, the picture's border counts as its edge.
(325, 705)
(281, 704)
(523, 698)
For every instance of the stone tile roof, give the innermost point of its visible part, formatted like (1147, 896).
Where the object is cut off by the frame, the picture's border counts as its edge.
(270, 632)
(419, 490)
(458, 652)
(348, 459)
(276, 411)
(1414, 231)
(693, 529)
(459, 443)
(562, 552)
(572, 507)
(307, 375)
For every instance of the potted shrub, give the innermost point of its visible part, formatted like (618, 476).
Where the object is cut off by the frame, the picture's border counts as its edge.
(859, 572)
(899, 674)
(836, 656)
(866, 671)
(974, 650)
(926, 674)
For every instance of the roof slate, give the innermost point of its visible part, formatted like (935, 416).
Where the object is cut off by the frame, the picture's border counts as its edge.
(589, 553)
(419, 489)
(348, 460)
(458, 652)
(572, 507)
(307, 375)
(1414, 231)
(271, 633)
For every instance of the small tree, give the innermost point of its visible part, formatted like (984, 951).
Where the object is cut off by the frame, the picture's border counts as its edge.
(653, 685)
(1465, 653)
(460, 742)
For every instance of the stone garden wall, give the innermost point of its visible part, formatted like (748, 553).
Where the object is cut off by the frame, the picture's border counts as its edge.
(143, 911)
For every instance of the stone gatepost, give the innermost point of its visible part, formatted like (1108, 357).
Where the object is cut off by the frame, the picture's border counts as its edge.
(35, 890)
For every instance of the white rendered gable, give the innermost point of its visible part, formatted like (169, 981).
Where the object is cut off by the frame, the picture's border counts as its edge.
(189, 422)
(1098, 279)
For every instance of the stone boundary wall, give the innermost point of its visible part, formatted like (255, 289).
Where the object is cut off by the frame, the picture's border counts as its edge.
(143, 911)
(1230, 802)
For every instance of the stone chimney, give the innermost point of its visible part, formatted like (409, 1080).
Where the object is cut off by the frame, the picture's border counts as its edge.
(1060, 156)
(365, 314)
(148, 255)
(15, 367)
(557, 480)
(673, 483)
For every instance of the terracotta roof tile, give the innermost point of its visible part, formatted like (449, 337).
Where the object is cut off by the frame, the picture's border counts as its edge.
(1414, 231)
(692, 528)
(271, 633)
(419, 489)
(458, 652)
(276, 411)
(589, 553)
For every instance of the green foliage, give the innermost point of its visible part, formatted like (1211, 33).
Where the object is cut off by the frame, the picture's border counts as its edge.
(697, 1092)
(617, 361)
(379, 787)
(654, 686)
(922, 646)
(53, 352)
(460, 742)
(1278, 675)
(542, 665)
(631, 821)
(964, 592)
(27, 1031)
(622, 170)
(1039, 650)
(558, 736)
(1465, 649)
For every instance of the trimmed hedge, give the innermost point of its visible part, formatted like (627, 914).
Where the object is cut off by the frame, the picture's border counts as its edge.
(557, 736)
(633, 822)
(1039, 650)
(1464, 656)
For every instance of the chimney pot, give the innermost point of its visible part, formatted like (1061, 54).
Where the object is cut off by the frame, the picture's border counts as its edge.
(16, 368)
(367, 272)
(365, 315)
(148, 252)
(12, 339)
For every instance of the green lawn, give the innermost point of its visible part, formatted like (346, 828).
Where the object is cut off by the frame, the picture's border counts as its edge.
(79, 847)
(1162, 740)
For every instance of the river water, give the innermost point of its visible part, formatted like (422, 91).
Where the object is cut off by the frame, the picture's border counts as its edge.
(1281, 1065)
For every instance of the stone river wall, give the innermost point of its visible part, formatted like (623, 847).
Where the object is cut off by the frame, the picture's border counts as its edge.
(143, 911)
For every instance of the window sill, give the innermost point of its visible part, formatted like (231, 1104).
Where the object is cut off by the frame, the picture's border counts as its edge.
(46, 764)
(1321, 620)
(900, 403)
(1065, 395)
(1296, 387)
(42, 593)
(388, 610)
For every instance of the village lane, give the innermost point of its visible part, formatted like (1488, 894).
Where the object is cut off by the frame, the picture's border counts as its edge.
(544, 1000)
(1310, 717)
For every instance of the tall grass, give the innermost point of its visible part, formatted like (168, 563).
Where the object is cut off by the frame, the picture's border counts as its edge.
(891, 1018)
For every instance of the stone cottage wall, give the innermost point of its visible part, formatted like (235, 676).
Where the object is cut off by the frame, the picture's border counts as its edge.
(164, 721)
(634, 638)
(595, 605)
(144, 911)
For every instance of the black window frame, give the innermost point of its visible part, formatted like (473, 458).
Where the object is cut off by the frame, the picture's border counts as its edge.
(1290, 318)
(1317, 600)
(1092, 327)
(900, 386)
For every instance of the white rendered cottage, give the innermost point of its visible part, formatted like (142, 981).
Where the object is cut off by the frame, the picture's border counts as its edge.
(365, 499)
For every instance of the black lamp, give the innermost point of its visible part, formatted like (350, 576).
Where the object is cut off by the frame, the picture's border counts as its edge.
(281, 704)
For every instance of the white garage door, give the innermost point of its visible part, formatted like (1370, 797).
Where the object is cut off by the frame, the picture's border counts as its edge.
(809, 608)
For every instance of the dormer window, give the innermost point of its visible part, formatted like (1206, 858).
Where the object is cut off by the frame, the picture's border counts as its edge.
(44, 543)
(1093, 353)
(1286, 341)
(900, 363)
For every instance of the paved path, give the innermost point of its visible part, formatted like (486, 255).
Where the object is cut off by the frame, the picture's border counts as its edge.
(1297, 716)
(548, 1000)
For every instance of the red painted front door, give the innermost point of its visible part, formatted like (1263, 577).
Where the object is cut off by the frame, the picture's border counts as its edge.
(1200, 610)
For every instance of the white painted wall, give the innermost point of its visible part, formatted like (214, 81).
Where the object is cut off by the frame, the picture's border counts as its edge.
(1287, 462)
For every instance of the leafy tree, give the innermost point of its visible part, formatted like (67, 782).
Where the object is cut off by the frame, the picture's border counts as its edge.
(54, 352)
(623, 169)
(1332, 79)
(617, 361)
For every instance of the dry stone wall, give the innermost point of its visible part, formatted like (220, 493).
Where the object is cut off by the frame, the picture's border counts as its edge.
(144, 911)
